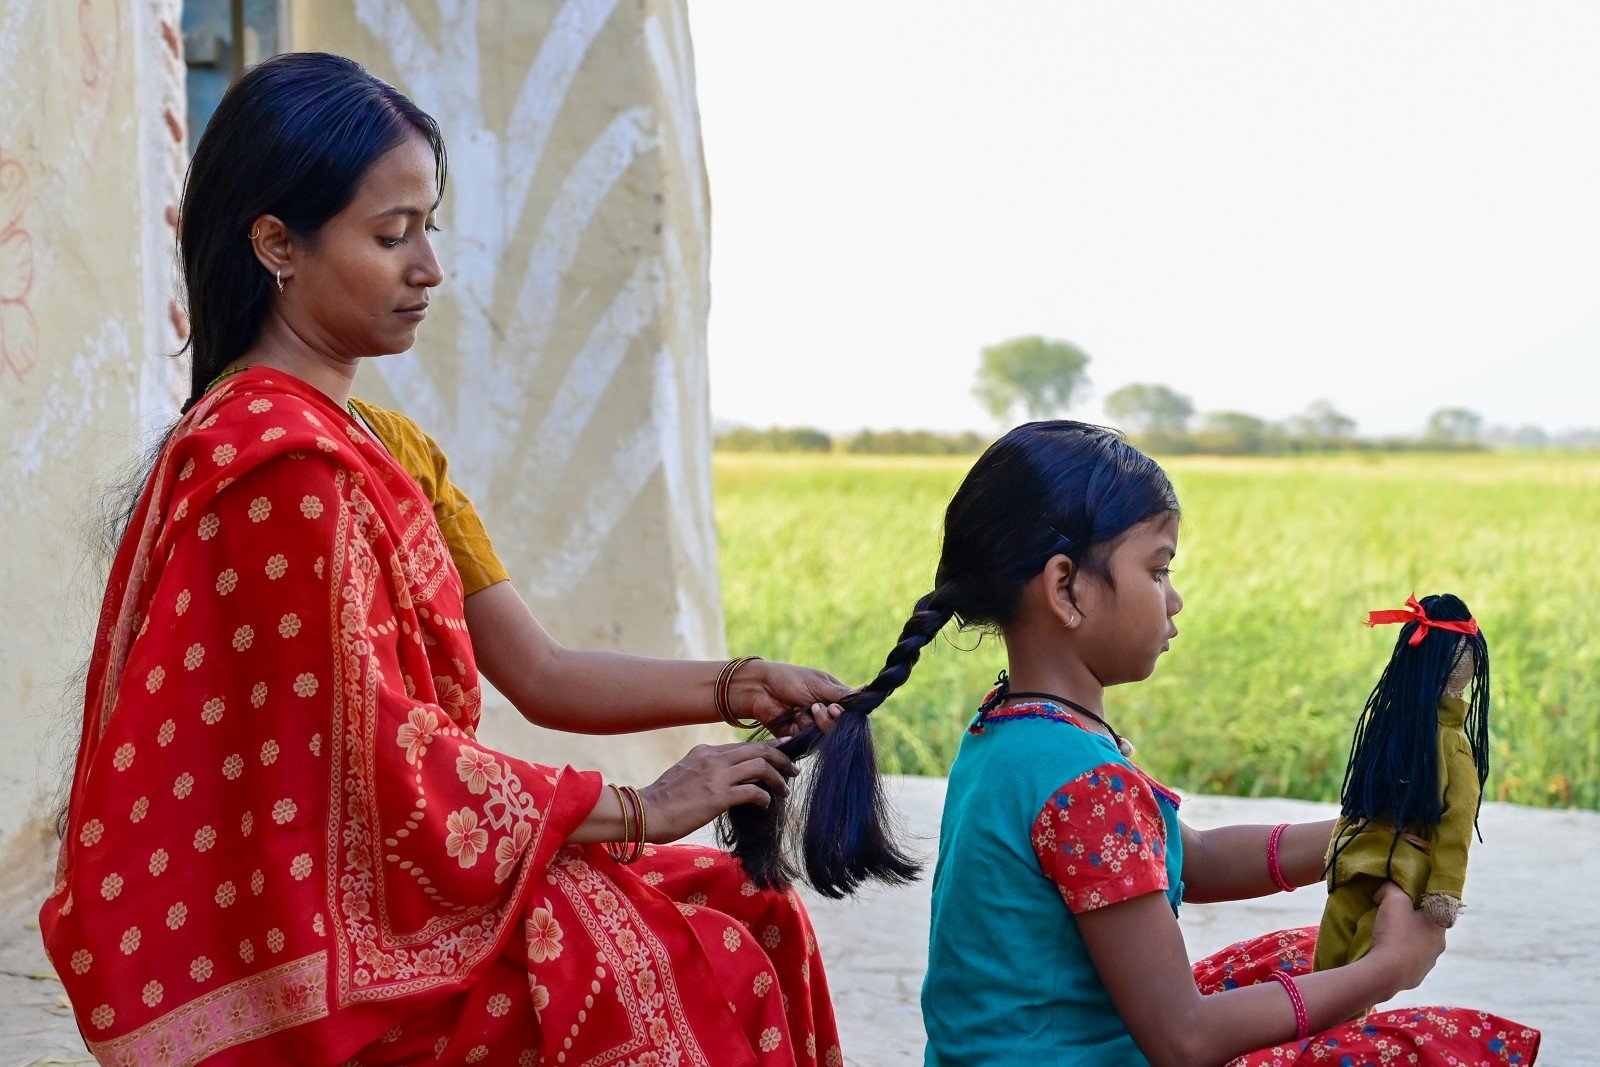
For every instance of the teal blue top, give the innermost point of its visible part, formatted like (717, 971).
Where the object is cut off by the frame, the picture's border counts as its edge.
(1042, 819)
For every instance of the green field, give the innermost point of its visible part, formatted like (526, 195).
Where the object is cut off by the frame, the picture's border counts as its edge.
(1279, 560)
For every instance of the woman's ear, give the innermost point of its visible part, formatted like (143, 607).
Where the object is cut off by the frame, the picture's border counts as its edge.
(269, 238)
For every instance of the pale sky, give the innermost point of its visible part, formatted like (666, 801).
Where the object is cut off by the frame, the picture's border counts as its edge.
(1394, 206)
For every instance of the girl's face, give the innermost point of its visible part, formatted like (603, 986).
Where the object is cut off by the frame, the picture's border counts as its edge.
(1125, 624)
(360, 287)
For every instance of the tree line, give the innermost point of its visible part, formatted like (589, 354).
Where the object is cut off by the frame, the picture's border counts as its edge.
(864, 442)
(1036, 377)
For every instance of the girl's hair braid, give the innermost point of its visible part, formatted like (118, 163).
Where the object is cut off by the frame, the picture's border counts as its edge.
(1045, 488)
(842, 803)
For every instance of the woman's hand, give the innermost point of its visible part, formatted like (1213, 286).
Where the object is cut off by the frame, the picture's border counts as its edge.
(764, 691)
(710, 780)
(1404, 938)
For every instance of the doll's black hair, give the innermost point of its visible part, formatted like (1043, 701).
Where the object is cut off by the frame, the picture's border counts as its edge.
(1045, 488)
(1393, 773)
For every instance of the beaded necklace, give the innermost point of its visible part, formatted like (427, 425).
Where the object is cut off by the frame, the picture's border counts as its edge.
(1124, 746)
(1003, 693)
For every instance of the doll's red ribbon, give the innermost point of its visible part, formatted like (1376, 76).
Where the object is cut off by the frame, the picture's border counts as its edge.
(1413, 612)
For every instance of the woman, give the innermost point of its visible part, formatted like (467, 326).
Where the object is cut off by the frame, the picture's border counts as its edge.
(284, 843)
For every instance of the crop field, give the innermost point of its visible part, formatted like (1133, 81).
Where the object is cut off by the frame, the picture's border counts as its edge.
(1279, 560)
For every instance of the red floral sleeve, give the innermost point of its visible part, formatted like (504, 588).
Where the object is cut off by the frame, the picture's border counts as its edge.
(1100, 838)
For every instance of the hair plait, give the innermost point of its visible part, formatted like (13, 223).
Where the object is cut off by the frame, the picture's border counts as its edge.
(1045, 488)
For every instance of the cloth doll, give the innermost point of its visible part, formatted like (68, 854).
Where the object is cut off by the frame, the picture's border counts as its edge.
(1411, 792)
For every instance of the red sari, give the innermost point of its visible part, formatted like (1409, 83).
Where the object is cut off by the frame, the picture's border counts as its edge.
(285, 844)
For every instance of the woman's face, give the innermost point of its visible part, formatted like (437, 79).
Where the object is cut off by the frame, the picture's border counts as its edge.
(1127, 622)
(360, 285)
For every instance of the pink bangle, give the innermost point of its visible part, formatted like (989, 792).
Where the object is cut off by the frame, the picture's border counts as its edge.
(1273, 869)
(1302, 1026)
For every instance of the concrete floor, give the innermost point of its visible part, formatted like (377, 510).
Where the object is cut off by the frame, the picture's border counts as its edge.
(1527, 949)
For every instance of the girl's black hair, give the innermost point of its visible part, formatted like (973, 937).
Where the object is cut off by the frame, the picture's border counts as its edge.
(293, 138)
(1393, 773)
(1045, 488)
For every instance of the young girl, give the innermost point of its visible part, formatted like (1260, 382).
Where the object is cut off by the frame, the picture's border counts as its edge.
(1061, 864)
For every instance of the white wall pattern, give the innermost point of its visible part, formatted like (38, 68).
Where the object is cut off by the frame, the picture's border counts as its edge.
(91, 141)
(565, 368)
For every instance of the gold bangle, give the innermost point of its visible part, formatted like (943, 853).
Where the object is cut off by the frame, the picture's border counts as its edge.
(612, 850)
(644, 824)
(724, 681)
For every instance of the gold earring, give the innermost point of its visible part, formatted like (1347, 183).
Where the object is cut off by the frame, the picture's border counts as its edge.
(279, 276)
(255, 232)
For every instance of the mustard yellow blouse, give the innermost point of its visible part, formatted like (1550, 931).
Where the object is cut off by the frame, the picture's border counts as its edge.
(458, 520)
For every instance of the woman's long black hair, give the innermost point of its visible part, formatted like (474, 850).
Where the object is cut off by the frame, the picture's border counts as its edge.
(293, 138)
(1393, 773)
(1045, 488)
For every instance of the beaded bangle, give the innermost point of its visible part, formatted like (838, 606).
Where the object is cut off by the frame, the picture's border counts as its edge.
(1302, 1025)
(724, 680)
(1273, 869)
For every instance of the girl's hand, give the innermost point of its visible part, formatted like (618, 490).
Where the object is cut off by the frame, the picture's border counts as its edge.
(710, 780)
(763, 691)
(1407, 941)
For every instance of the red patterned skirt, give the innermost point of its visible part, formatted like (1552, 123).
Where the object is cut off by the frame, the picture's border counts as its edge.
(1458, 1037)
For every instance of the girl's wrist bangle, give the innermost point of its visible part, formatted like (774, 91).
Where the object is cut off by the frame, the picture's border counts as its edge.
(1302, 1024)
(1273, 870)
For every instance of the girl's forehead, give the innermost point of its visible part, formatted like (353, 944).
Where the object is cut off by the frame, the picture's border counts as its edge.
(1152, 535)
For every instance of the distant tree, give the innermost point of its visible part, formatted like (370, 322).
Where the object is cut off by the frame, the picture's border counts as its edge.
(1530, 436)
(774, 439)
(1453, 426)
(915, 443)
(1321, 425)
(1585, 438)
(1234, 433)
(806, 439)
(1038, 375)
(1146, 409)
(739, 439)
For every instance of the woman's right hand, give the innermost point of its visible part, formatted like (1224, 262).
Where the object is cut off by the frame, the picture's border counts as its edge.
(710, 780)
(1407, 941)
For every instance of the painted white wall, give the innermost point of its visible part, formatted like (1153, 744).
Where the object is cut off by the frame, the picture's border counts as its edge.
(563, 368)
(90, 163)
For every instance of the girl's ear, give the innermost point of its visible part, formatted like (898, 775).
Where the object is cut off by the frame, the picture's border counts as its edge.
(1058, 572)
